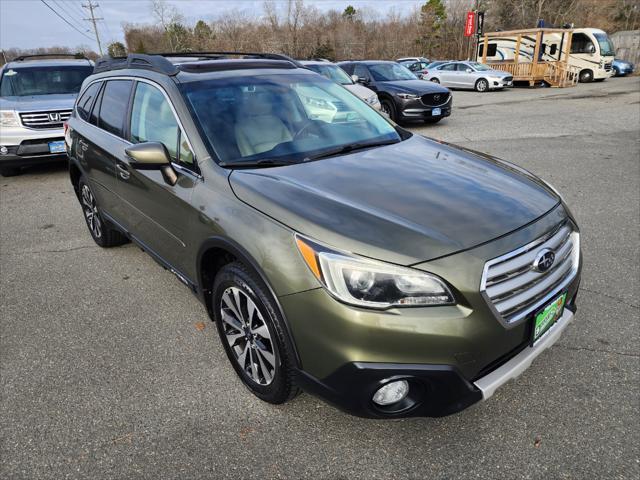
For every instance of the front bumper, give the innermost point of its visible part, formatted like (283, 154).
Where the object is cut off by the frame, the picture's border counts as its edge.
(414, 109)
(500, 82)
(26, 147)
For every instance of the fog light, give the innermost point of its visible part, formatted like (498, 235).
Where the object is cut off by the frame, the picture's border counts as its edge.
(4, 150)
(391, 393)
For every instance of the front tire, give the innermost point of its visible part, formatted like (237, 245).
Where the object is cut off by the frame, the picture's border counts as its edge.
(9, 171)
(586, 76)
(435, 80)
(102, 233)
(252, 332)
(482, 85)
(387, 106)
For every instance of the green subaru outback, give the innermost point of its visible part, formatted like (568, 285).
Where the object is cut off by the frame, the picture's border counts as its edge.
(388, 273)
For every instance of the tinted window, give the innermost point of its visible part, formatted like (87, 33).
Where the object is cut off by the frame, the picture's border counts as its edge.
(383, 72)
(87, 100)
(361, 71)
(93, 118)
(461, 67)
(347, 67)
(492, 50)
(152, 120)
(450, 67)
(113, 108)
(27, 81)
(581, 43)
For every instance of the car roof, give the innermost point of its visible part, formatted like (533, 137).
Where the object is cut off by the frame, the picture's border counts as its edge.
(368, 62)
(49, 63)
(316, 62)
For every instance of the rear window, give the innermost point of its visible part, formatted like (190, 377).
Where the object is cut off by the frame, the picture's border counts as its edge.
(33, 81)
(113, 108)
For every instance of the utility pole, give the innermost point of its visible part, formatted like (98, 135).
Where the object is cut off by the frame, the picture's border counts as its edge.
(90, 6)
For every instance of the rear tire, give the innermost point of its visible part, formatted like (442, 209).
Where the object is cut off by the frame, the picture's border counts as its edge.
(482, 85)
(252, 333)
(9, 171)
(586, 76)
(104, 234)
(389, 108)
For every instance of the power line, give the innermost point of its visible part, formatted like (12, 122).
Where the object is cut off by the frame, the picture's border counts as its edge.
(106, 24)
(75, 7)
(66, 21)
(68, 13)
(90, 6)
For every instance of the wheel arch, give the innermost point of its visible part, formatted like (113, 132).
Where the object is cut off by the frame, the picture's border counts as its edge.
(74, 175)
(213, 254)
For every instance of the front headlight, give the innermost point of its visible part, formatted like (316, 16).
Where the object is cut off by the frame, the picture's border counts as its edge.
(408, 96)
(8, 118)
(368, 283)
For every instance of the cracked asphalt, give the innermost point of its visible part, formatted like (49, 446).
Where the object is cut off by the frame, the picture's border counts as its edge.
(106, 371)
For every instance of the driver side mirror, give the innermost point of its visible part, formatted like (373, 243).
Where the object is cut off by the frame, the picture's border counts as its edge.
(152, 156)
(591, 48)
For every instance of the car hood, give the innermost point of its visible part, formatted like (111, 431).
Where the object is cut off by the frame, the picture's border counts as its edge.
(418, 87)
(38, 102)
(404, 203)
(360, 91)
(495, 73)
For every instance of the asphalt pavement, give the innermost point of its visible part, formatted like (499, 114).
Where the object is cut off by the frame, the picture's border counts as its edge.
(110, 368)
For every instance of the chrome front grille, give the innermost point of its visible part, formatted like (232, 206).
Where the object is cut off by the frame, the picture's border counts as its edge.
(514, 288)
(50, 119)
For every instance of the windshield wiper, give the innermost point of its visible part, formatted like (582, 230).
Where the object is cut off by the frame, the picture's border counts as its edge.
(265, 162)
(352, 147)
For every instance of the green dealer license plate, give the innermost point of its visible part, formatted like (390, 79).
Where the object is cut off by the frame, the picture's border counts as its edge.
(548, 316)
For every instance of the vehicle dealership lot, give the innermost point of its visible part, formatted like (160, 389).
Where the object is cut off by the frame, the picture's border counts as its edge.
(107, 371)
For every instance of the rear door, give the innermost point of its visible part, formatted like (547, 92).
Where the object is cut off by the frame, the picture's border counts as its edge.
(100, 138)
(159, 215)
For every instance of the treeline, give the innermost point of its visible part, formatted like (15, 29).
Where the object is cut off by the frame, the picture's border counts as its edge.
(301, 30)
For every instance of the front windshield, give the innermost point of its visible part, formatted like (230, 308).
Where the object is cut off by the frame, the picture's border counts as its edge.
(332, 72)
(285, 118)
(27, 81)
(383, 72)
(606, 47)
(480, 67)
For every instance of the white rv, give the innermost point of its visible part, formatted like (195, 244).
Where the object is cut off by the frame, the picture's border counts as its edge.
(591, 51)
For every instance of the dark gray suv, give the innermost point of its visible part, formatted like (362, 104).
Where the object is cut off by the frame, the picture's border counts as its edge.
(390, 274)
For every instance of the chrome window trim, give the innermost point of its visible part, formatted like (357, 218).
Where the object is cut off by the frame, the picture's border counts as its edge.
(166, 96)
(520, 317)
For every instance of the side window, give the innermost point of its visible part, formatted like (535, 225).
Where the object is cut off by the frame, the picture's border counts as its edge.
(449, 67)
(361, 71)
(347, 67)
(461, 67)
(580, 43)
(152, 120)
(492, 50)
(83, 107)
(95, 111)
(113, 108)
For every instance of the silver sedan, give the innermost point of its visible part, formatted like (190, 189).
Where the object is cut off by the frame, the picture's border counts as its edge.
(472, 75)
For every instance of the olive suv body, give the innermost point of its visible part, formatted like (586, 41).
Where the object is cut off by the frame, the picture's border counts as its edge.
(390, 274)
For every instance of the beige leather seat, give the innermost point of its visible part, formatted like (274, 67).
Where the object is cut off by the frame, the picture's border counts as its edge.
(257, 129)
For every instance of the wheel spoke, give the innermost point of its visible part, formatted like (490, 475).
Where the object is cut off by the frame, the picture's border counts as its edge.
(262, 330)
(233, 322)
(254, 370)
(265, 371)
(268, 356)
(231, 306)
(232, 338)
(242, 358)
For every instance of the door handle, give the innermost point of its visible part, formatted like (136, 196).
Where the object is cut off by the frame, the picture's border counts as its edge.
(123, 171)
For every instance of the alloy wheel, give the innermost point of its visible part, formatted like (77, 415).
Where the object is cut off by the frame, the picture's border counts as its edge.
(248, 336)
(91, 212)
(482, 85)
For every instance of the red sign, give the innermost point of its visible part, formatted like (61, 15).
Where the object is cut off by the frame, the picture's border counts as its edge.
(470, 24)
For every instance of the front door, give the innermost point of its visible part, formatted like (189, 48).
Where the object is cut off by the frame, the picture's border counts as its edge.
(158, 214)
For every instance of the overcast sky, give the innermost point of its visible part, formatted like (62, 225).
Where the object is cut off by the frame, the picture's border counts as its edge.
(29, 23)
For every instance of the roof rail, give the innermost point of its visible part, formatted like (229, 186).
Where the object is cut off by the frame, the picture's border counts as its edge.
(220, 55)
(77, 56)
(157, 63)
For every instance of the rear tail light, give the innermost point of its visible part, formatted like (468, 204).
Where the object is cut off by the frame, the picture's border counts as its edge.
(65, 125)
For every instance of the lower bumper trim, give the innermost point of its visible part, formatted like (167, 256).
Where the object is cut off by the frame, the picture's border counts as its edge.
(518, 364)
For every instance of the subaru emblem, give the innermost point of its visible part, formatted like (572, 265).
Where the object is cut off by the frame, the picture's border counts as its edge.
(544, 260)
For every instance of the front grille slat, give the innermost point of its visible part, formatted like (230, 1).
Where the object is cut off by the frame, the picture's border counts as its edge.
(434, 99)
(42, 120)
(514, 289)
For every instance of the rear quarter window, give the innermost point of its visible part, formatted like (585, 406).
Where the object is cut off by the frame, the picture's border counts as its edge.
(87, 100)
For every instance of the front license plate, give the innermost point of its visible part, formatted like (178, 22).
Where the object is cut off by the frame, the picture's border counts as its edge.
(436, 112)
(57, 147)
(548, 316)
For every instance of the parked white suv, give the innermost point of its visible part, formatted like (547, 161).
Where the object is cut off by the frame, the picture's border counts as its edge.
(36, 98)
